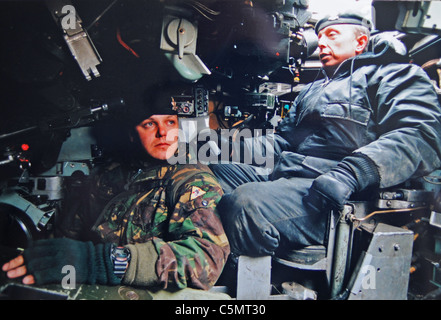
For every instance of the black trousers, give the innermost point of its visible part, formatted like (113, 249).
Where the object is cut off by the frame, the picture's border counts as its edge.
(262, 216)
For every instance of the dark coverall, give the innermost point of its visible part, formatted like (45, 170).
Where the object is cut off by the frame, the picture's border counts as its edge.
(377, 113)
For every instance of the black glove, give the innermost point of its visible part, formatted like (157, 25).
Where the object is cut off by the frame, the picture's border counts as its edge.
(330, 191)
(333, 189)
(44, 259)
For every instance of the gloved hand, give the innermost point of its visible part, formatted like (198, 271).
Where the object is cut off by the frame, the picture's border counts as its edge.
(44, 259)
(333, 189)
(330, 191)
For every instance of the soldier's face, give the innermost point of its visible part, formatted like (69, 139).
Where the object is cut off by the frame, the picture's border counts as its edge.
(159, 135)
(338, 43)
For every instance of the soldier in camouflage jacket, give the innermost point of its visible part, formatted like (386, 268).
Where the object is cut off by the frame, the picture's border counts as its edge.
(163, 230)
(169, 222)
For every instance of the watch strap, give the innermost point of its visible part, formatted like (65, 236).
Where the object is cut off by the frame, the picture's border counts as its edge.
(120, 257)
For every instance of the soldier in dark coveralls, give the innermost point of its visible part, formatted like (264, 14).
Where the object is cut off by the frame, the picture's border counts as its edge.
(373, 121)
(163, 230)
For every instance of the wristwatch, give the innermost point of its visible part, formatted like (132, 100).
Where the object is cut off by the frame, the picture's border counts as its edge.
(120, 257)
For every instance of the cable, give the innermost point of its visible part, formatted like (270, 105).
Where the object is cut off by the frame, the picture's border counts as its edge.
(125, 45)
(360, 220)
(101, 15)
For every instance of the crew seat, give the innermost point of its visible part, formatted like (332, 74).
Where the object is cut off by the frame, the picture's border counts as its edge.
(386, 253)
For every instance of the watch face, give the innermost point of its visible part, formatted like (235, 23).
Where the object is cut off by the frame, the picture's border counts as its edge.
(121, 253)
(120, 258)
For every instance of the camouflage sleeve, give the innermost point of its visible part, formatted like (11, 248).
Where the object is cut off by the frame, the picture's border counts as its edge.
(197, 248)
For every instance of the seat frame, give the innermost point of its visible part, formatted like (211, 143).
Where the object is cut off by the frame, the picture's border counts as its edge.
(390, 250)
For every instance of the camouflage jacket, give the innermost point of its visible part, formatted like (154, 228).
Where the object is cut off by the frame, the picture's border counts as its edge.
(168, 220)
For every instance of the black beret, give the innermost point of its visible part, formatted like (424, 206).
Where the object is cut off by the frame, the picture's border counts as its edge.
(157, 100)
(343, 18)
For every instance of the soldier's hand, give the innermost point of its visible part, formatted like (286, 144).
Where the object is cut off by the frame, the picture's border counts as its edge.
(331, 190)
(16, 268)
(45, 259)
